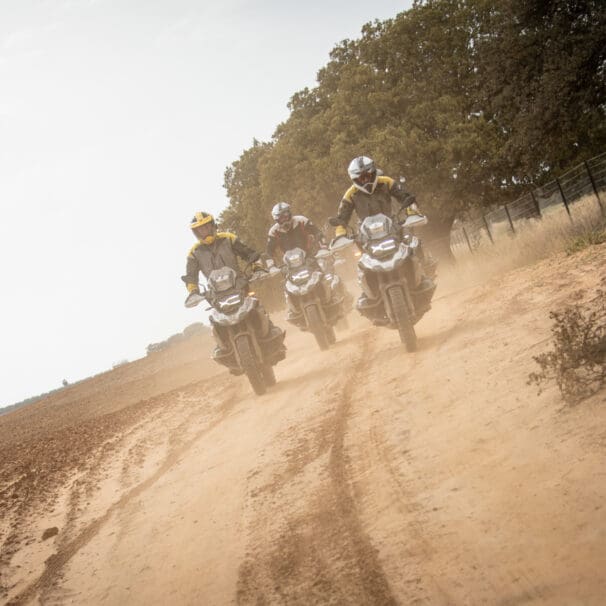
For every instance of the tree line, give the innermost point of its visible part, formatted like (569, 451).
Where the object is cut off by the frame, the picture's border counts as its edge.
(472, 101)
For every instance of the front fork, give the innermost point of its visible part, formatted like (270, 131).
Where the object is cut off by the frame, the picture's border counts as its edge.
(226, 337)
(376, 285)
(320, 297)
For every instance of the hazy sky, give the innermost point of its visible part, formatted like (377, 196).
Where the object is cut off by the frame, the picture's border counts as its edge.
(117, 120)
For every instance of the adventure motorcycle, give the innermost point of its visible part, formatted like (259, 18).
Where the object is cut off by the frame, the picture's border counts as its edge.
(391, 274)
(238, 325)
(315, 292)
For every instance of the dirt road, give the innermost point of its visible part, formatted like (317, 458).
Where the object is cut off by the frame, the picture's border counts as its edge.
(366, 476)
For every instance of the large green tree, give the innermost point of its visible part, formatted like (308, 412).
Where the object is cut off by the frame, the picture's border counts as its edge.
(468, 99)
(543, 63)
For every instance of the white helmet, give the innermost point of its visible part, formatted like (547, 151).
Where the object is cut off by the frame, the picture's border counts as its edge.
(363, 172)
(282, 215)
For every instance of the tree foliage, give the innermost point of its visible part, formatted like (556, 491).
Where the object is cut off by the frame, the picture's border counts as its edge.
(469, 99)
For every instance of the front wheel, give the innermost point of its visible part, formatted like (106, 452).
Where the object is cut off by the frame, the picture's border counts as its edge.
(316, 326)
(250, 365)
(343, 323)
(402, 317)
(268, 374)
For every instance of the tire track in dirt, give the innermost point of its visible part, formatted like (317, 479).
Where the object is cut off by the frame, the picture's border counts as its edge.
(307, 543)
(418, 584)
(56, 563)
(372, 576)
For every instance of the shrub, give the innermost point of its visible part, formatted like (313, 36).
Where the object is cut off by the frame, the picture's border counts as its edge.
(578, 360)
(589, 238)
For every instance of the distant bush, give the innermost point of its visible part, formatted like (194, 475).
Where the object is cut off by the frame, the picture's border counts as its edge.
(578, 360)
(152, 347)
(196, 328)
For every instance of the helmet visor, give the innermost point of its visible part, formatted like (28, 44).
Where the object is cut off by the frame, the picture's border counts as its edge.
(365, 177)
(284, 217)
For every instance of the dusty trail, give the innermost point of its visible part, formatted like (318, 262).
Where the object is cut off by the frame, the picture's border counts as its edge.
(308, 518)
(366, 476)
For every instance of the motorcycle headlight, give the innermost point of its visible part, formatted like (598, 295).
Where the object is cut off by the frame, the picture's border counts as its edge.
(294, 258)
(384, 247)
(300, 276)
(228, 303)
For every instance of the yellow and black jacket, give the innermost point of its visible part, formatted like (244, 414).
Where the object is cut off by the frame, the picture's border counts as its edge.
(386, 191)
(224, 251)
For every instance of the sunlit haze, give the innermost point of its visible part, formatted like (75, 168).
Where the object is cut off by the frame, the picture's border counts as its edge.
(117, 121)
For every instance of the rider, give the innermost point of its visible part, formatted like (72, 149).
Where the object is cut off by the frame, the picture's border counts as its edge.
(370, 194)
(291, 231)
(215, 250)
(295, 231)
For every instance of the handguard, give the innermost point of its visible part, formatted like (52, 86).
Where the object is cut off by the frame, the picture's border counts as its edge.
(193, 299)
(340, 243)
(416, 220)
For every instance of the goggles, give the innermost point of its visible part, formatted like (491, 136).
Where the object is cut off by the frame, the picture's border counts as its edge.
(365, 178)
(284, 217)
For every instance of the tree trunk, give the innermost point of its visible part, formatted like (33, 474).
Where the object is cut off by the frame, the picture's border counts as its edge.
(436, 237)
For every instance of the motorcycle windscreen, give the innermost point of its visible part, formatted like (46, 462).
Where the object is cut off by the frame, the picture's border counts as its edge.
(222, 279)
(293, 258)
(376, 227)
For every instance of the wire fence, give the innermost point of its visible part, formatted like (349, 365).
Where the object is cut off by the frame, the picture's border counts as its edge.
(587, 180)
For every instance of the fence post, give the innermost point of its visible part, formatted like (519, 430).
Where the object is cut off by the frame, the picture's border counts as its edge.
(513, 229)
(536, 204)
(564, 198)
(487, 228)
(468, 242)
(595, 189)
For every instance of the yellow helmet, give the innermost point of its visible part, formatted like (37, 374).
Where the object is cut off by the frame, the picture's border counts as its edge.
(203, 227)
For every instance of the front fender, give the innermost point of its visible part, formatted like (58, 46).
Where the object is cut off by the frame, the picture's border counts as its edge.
(369, 263)
(303, 289)
(223, 319)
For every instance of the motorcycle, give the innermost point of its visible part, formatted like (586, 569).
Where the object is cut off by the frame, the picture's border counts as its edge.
(316, 292)
(234, 318)
(390, 270)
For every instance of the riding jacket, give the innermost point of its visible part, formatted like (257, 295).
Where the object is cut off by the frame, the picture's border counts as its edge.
(224, 251)
(303, 234)
(386, 191)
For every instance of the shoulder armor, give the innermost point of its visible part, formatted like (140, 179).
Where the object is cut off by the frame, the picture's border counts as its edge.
(273, 230)
(348, 197)
(227, 235)
(299, 220)
(386, 180)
